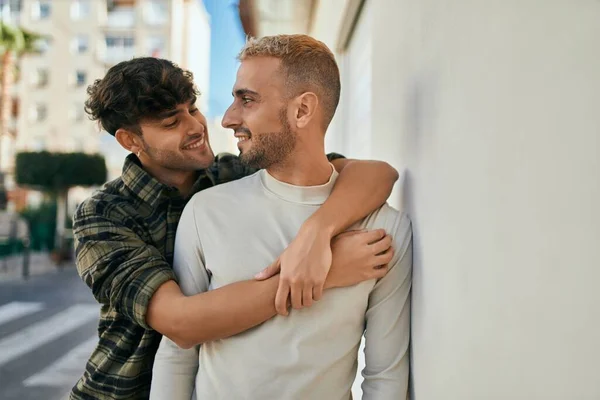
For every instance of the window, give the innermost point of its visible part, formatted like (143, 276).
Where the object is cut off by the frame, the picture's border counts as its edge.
(80, 78)
(41, 9)
(43, 45)
(80, 44)
(156, 12)
(11, 10)
(119, 41)
(155, 46)
(40, 77)
(39, 112)
(118, 48)
(80, 9)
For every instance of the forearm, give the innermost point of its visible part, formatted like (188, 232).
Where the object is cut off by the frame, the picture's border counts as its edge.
(361, 188)
(212, 315)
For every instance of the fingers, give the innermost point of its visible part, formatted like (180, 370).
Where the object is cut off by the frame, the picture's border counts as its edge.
(379, 272)
(281, 298)
(268, 272)
(371, 237)
(296, 292)
(317, 292)
(307, 296)
(382, 262)
(385, 257)
(382, 245)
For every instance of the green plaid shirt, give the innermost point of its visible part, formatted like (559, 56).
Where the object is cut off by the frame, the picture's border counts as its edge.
(124, 237)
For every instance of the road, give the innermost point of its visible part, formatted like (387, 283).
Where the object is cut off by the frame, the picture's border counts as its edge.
(47, 331)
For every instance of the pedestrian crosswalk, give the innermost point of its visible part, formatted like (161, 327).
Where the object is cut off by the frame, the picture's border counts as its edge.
(17, 309)
(35, 328)
(29, 331)
(61, 372)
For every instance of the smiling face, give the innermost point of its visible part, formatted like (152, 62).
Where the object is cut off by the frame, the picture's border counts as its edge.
(259, 113)
(177, 140)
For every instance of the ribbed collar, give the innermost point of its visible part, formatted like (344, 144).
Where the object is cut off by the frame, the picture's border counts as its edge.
(314, 195)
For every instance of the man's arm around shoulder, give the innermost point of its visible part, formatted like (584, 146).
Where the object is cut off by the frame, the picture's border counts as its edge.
(121, 269)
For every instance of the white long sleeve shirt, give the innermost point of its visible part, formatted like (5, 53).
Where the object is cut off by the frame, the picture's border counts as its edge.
(229, 233)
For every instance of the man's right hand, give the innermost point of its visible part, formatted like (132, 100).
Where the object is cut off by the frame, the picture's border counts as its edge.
(359, 256)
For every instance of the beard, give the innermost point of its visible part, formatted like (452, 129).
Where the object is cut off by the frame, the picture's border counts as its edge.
(270, 148)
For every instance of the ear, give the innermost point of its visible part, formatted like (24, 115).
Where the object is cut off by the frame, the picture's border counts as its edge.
(130, 141)
(307, 109)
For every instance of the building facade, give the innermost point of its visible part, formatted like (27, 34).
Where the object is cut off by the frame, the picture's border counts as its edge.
(490, 111)
(82, 39)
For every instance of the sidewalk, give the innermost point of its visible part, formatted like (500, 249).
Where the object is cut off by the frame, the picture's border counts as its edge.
(11, 268)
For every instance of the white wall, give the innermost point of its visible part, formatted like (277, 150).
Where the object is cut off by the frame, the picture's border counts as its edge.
(491, 108)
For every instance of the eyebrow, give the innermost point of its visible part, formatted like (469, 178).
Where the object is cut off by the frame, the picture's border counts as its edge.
(244, 91)
(168, 114)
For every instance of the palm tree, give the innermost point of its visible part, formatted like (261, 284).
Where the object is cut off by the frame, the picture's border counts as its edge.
(14, 43)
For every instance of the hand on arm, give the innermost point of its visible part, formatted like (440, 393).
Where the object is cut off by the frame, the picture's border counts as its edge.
(361, 188)
(191, 315)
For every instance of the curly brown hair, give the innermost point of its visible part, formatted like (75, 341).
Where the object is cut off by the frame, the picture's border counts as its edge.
(137, 90)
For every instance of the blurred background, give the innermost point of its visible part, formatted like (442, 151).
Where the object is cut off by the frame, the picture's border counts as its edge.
(489, 109)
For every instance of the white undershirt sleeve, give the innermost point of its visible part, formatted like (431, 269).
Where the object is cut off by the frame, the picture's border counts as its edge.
(175, 369)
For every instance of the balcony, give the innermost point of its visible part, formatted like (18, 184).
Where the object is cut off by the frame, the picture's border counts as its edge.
(121, 18)
(115, 55)
(116, 47)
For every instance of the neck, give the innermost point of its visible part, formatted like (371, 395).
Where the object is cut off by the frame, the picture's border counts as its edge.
(182, 180)
(306, 166)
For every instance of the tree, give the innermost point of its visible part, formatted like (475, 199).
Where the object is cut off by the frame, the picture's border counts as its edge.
(14, 43)
(55, 174)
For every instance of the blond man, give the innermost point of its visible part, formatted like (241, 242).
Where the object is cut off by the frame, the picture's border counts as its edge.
(285, 95)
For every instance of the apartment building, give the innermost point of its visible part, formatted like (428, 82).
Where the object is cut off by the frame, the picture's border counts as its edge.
(83, 38)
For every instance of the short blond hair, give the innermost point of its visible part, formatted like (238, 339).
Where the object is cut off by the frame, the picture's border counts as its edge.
(307, 63)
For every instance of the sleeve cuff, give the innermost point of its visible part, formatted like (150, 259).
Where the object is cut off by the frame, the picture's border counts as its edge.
(140, 292)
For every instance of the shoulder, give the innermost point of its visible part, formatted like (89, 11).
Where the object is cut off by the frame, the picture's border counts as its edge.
(224, 194)
(395, 223)
(109, 204)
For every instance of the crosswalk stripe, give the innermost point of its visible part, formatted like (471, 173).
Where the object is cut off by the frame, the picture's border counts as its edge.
(63, 371)
(43, 332)
(18, 309)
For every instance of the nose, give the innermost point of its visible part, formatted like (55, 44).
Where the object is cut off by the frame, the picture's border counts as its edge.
(231, 118)
(196, 125)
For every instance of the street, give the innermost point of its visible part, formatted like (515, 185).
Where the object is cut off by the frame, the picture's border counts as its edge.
(47, 331)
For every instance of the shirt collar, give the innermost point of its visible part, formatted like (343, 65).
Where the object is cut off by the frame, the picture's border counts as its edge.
(314, 195)
(149, 189)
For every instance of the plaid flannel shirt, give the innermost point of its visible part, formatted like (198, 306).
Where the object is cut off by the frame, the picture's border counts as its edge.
(124, 238)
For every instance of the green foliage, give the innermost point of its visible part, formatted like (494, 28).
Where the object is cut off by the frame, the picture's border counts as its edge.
(42, 225)
(53, 172)
(17, 40)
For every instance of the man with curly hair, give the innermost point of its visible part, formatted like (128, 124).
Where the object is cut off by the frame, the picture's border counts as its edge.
(124, 234)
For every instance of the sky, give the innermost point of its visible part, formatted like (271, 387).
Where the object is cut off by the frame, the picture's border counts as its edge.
(227, 38)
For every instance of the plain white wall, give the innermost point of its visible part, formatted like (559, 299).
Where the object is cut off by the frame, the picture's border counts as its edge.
(492, 111)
